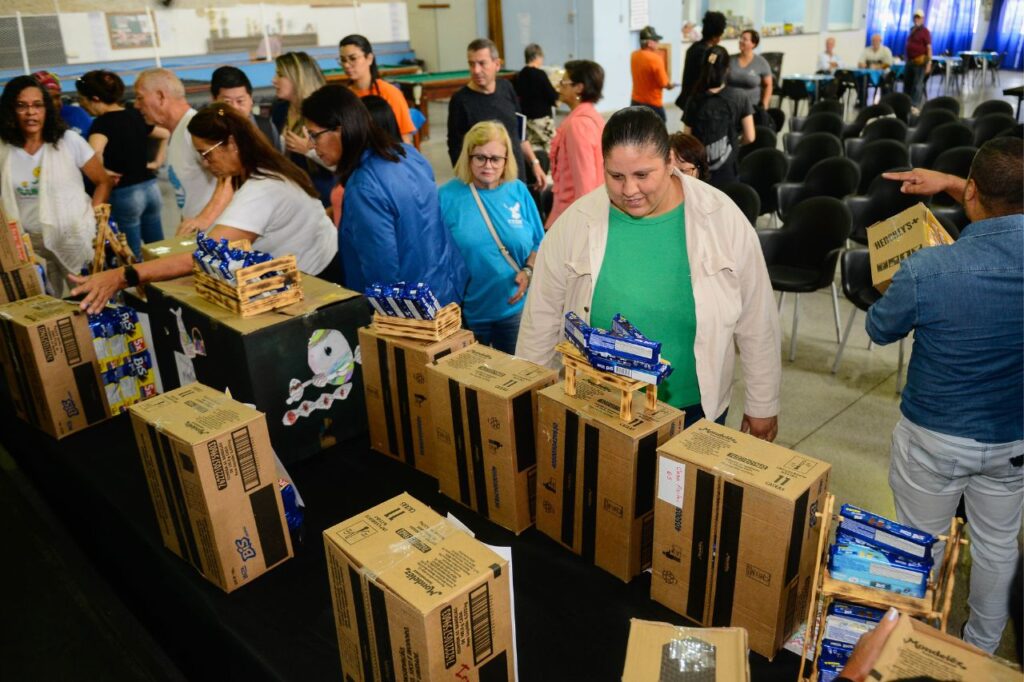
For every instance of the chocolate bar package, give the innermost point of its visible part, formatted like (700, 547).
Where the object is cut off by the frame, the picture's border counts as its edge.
(880, 531)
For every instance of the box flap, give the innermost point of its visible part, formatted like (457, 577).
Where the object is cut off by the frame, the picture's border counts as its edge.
(42, 308)
(194, 413)
(648, 638)
(485, 369)
(420, 556)
(746, 459)
(168, 247)
(317, 294)
(600, 403)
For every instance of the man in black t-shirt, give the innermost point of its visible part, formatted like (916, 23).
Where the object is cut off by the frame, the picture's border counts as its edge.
(536, 96)
(488, 98)
(712, 30)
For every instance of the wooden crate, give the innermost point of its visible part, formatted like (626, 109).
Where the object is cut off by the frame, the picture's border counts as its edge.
(447, 322)
(933, 607)
(575, 362)
(240, 297)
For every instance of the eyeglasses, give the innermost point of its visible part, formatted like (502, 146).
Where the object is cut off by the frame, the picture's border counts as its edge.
(351, 59)
(22, 107)
(566, 81)
(204, 155)
(484, 160)
(316, 136)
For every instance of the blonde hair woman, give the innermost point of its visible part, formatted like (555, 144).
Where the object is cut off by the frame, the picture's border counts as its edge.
(498, 230)
(297, 77)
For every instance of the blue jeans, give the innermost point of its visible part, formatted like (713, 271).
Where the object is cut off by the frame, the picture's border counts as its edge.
(136, 210)
(694, 413)
(500, 334)
(913, 83)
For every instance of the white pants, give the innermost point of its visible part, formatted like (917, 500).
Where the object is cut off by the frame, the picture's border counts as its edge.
(929, 473)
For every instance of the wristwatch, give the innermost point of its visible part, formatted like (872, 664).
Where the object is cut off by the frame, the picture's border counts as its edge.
(131, 276)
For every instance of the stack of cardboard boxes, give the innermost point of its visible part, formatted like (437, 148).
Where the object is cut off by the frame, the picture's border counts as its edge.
(19, 275)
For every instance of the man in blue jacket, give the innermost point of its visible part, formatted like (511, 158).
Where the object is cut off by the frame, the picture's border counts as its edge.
(962, 431)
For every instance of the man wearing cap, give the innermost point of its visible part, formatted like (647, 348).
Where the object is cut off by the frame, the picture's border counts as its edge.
(919, 60)
(650, 76)
(77, 118)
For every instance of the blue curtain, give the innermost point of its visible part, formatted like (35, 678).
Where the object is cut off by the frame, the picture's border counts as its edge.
(892, 19)
(951, 23)
(1004, 32)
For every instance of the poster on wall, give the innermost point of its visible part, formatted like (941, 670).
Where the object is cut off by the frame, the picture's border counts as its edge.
(130, 30)
(639, 14)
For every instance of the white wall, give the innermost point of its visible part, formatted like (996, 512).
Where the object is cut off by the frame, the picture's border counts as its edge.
(801, 51)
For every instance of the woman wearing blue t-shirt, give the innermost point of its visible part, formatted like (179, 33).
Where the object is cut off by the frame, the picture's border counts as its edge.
(497, 228)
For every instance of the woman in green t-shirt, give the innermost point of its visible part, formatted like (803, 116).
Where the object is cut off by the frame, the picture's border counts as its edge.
(679, 260)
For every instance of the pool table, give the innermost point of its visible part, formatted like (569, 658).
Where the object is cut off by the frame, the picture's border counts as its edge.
(421, 88)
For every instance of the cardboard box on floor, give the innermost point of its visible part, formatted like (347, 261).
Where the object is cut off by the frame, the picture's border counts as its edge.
(735, 532)
(19, 283)
(50, 365)
(915, 649)
(417, 598)
(647, 640)
(397, 400)
(299, 365)
(483, 403)
(595, 474)
(213, 482)
(13, 251)
(168, 247)
(892, 241)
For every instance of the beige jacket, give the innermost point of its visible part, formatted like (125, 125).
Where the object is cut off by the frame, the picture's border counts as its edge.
(731, 291)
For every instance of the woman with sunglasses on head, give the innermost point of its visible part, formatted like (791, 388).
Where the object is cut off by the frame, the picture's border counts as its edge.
(41, 168)
(296, 78)
(355, 55)
(576, 163)
(498, 230)
(274, 206)
(391, 228)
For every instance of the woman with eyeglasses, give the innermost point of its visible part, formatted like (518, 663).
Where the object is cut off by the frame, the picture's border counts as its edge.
(576, 164)
(391, 228)
(497, 228)
(355, 55)
(689, 155)
(41, 167)
(274, 206)
(296, 78)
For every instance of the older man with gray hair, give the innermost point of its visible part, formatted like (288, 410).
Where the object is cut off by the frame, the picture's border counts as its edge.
(160, 97)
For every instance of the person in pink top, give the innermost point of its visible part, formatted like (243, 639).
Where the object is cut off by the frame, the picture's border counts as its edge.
(577, 165)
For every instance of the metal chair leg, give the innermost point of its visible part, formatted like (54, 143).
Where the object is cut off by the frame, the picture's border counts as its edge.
(846, 337)
(782, 299)
(835, 309)
(899, 368)
(796, 320)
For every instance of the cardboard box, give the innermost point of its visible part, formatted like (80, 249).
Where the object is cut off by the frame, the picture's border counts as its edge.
(19, 283)
(397, 401)
(893, 240)
(648, 639)
(168, 247)
(50, 365)
(13, 251)
(213, 482)
(915, 649)
(299, 365)
(484, 408)
(595, 474)
(416, 598)
(735, 532)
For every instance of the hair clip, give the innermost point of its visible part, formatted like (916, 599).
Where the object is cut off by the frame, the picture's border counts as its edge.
(220, 111)
(712, 58)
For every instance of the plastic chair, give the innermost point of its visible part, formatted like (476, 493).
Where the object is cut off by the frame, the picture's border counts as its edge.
(991, 125)
(900, 103)
(993, 106)
(829, 106)
(855, 128)
(778, 117)
(762, 170)
(764, 138)
(795, 90)
(823, 122)
(941, 138)
(882, 200)
(774, 60)
(878, 157)
(956, 161)
(746, 199)
(944, 102)
(879, 129)
(801, 256)
(813, 148)
(855, 269)
(926, 122)
(836, 177)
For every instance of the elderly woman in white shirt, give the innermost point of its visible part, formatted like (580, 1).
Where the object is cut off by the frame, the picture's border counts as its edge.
(678, 259)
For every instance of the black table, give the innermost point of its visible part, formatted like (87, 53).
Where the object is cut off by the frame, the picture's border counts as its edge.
(572, 619)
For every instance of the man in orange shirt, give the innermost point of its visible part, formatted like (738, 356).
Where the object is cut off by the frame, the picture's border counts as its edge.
(649, 74)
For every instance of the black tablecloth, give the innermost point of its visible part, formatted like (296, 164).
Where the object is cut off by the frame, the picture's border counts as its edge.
(572, 619)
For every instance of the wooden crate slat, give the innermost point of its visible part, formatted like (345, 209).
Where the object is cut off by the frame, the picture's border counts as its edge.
(574, 361)
(447, 322)
(244, 297)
